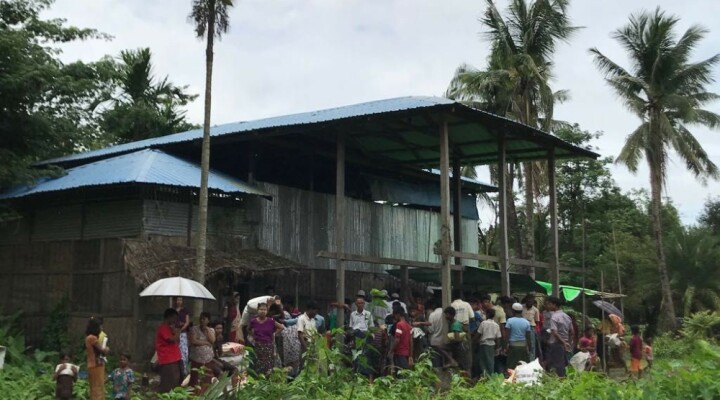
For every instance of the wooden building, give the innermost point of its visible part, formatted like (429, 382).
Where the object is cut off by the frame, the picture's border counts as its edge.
(317, 204)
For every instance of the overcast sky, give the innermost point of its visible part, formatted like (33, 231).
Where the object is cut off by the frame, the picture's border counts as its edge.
(288, 56)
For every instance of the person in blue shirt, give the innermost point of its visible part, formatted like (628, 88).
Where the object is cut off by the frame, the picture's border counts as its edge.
(519, 338)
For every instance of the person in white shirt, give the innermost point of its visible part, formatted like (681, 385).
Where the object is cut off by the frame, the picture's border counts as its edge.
(488, 337)
(396, 299)
(306, 325)
(464, 314)
(361, 319)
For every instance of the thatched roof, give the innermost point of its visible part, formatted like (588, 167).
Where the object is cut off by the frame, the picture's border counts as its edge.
(148, 261)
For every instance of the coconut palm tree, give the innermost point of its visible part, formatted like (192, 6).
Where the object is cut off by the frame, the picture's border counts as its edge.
(139, 105)
(667, 92)
(211, 20)
(515, 84)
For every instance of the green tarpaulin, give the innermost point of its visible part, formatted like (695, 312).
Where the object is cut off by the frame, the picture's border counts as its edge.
(476, 279)
(569, 292)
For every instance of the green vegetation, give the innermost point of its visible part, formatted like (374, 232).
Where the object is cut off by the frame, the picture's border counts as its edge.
(686, 367)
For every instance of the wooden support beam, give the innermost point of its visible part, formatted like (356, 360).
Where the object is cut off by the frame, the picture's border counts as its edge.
(381, 260)
(445, 241)
(554, 242)
(504, 259)
(457, 220)
(513, 261)
(340, 227)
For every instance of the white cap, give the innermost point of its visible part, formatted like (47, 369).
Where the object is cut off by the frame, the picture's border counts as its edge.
(384, 293)
(430, 291)
(395, 296)
(517, 307)
(361, 293)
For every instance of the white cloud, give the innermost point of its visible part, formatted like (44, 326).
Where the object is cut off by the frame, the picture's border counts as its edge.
(289, 56)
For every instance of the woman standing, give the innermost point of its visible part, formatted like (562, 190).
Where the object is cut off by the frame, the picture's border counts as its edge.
(202, 339)
(95, 361)
(183, 322)
(263, 329)
(232, 315)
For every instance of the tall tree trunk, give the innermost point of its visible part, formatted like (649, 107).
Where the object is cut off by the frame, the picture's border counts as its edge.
(201, 245)
(529, 216)
(512, 217)
(668, 320)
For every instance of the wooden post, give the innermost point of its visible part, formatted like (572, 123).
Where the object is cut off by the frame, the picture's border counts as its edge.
(445, 244)
(554, 243)
(457, 219)
(340, 227)
(504, 260)
(405, 284)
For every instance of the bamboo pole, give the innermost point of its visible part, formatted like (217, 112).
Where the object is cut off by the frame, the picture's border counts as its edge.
(340, 228)
(445, 213)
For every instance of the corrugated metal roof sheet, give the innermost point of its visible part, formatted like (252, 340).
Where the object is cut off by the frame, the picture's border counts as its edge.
(312, 117)
(145, 166)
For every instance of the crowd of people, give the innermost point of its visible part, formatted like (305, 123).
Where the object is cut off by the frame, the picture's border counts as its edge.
(474, 335)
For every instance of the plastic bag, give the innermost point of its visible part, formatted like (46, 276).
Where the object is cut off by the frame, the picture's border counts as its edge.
(529, 373)
(579, 361)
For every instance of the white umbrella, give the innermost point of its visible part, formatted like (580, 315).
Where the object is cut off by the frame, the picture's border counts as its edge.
(177, 286)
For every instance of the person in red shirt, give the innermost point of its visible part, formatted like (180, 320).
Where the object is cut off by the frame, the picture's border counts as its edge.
(167, 348)
(636, 351)
(402, 346)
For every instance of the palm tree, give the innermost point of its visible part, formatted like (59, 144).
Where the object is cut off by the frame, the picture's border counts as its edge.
(211, 19)
(516, 81)
(140, 106)
(693, 257)
(667, 92)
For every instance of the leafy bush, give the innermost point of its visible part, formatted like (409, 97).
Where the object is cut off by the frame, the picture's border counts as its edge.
(55, 332)
(701, 325)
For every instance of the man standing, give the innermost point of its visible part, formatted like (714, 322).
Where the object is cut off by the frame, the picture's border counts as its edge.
(559, 342)
(532, 314)
(489, 343)
(396, 300)
(167, 347)
(307, 326)
(465, 315)
(519, 336)
(402, 345)
(438, 331)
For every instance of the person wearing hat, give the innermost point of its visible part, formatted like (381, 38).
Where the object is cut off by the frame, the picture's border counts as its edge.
(519, 337)
(396, 299)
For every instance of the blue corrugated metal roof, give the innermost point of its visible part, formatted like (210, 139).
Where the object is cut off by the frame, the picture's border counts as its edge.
(145, 166)
(330, 114)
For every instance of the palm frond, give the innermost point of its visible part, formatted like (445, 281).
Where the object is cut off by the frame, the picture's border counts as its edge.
(632, 151)
(693, 155)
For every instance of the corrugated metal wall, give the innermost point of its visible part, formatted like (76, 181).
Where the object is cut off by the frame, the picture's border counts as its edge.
(170, 219)
(297, 224)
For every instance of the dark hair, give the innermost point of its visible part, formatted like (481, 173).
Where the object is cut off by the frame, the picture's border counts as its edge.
(92, 328)
(506, 300)
(456, 293)
(485, 297)
(170, 312)
(490, 314)
(553, 300)
(205, 314)
(64, 354)
(397, 308)
(635, 330)
(311, 305)
(98, 318)
(449, 310)
(125, 354)
(274, 309)
(430, 303)
(261, 305)
(589, 329)
(348, 301)
(216, 323)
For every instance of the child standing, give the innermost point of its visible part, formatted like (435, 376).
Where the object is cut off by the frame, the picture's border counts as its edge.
(122, 379)
(65, 376)
(649, 352)
(636, 351)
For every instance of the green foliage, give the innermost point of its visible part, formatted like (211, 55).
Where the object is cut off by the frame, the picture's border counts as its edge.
(701, 325)
(141, 105)
(44, 103)
(55, 332)
(670, 346)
